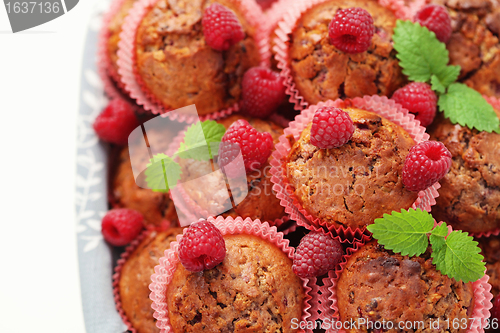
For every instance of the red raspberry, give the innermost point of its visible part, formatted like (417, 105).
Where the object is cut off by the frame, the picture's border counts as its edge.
(201, 247)
(436, 19)
(495, 312)
(425, 164)
(115, 122)
(256, 147)
(351, 30)
(221, 27)
(331, 128)
(262, 92)
(316, 254)
(419, 99)
(121, 225)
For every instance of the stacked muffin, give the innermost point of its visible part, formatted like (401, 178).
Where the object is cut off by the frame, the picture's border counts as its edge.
(160, 55)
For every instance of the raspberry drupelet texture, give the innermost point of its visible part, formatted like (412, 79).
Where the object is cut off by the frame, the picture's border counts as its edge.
(419, 99)
(221, 27)
(262, 92)
(436, 19)
(425, 164)
(331, 128)
(120, 226)
(256, 147)
(115, 122)
(316, 254)
(201, 247)
(351, 30)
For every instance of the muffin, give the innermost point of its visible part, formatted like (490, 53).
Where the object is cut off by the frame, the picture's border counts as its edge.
(134, 277)
(490, 249)
(378, 285)
(321, 72)
(114, 30)
(253, 290)
(354, 184)
(469, 197)
(154, 206)
(176, 67)
(474, 44)
(260, 202)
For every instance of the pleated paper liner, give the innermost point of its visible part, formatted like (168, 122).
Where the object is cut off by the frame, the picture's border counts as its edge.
(285, 29)
(329, 309)
(136, 86)
(380, 105)
(228, 226)
(149, 232)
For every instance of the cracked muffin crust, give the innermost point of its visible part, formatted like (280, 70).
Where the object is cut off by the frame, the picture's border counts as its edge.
(321, 72)
(490, 249)
(354, 184)
(253, 290)
(474, 43)
(178, 67)
(260, 203)
(377, 285)
(469, 197)
(135, 277)
(154, 206)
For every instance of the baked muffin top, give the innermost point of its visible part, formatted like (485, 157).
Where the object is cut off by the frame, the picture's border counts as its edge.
(322, 72)
(377, 285)
(253, 290)
(469, 197)
(260, 202)
(136, 276)
(474, 44)
(178, 67)
(490, 249)
(354, 184)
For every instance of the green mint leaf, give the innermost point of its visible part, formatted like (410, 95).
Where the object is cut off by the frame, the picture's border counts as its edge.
(436, 85)
(404, 232)
(162, 173)
(437, 236)
(199, 139)
(467, 107)
(459, 257)
(422, 56)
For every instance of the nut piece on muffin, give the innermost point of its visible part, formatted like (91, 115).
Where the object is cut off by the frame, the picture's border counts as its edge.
(178, 68)
(322, 72)
(154, 206)
(469, 197)
(474, 43)
(260, 203)
(378, 285)
(253, 289)
(135, 277)
(352, 185)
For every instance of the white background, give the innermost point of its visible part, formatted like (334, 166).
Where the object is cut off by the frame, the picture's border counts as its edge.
(39, 92)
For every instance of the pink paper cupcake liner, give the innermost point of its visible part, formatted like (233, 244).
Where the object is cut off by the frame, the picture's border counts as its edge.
(113, 87)
(228, 226)
(118, 270)
(329, 308)
(381, 105)
(282, 41)
(135, 85)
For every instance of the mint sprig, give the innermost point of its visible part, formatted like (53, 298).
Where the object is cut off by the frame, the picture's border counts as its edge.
(455, 255)
(162, 173)
(424, 58)
(199, 140)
